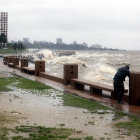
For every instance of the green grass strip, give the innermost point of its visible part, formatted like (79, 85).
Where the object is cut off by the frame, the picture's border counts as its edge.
(9, 51)
(76, 101)
(4, 82)
(42, 133)
(29, 84)
(21, 83)
(133, 125)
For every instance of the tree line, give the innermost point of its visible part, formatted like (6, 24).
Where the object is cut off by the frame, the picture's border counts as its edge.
(17, 46)
(63, 46)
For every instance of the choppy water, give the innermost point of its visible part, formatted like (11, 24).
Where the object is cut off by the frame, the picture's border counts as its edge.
(98, 66)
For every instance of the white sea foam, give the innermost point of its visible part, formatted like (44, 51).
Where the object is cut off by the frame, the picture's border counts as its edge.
(47, 54)
(100, 72)
(66, 59)
(99, 66)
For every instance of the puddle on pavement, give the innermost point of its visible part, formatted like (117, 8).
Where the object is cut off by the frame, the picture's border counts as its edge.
(46, 108)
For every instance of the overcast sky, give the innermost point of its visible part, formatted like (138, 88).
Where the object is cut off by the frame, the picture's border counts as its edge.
(111, 23)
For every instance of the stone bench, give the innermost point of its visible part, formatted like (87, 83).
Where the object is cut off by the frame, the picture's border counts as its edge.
(51, 77)
(17, 67)
(28, 70)
(96, 88)
(10, 65)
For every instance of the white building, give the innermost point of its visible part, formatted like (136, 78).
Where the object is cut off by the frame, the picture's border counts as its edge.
(26, 40)
(59, 41)
(85, 44)
(4, 23)
(74, 42)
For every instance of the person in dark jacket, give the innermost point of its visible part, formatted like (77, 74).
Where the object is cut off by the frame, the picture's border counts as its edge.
(119, 78)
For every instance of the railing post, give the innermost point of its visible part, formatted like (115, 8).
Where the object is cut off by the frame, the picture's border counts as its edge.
(39, 66)
(10, 59)
(24, 62)
(134, 88)
(70, 72)
(16, 61)
(5, 60)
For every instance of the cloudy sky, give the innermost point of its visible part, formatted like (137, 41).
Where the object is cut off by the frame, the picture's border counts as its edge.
(111, 23)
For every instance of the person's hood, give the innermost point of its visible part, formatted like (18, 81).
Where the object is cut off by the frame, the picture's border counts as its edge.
(127, 66)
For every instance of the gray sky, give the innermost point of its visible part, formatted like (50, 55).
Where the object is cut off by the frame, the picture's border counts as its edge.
(111, 23)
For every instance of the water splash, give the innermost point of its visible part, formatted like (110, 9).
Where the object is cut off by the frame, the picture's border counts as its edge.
(100, 72)
(48, 54)
(99, 66)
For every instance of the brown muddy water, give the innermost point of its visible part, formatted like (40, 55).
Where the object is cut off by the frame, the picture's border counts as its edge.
(32, 107)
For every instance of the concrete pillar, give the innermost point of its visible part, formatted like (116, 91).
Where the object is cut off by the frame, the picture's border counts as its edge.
(10, 59)
(70, 72)
(24, 62)
(5, 60)
(134, 88)
(16, 61)
(39, 66)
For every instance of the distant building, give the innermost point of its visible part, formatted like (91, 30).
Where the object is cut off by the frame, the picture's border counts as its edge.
(74, 42)
(85, 44)
(26, 40)
(96, 46)
(4, 23)
(59, 41)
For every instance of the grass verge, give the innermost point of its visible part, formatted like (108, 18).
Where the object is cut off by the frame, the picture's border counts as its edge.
(133, 125)
(9, 51)
(29, 84)
(4, 82)
(76, 101)
(5, 118)
(21, 83)
(23, 132)
(42, 133)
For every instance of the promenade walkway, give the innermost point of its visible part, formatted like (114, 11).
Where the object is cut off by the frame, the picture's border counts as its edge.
(112, 103)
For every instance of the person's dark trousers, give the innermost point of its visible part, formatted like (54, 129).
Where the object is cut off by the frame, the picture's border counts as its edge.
(119, 91)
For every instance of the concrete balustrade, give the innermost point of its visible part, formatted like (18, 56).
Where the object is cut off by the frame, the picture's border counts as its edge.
(134, 88)
(5, 60)
(25, 68)
(51, 77)
(40, 71)
(70, 76)
(10, 59)
(16, 61)
(70, 72)
(39, 67)
(24, 62)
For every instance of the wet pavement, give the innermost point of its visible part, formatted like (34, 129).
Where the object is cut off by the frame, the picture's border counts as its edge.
(47, 110)
(112, 103)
